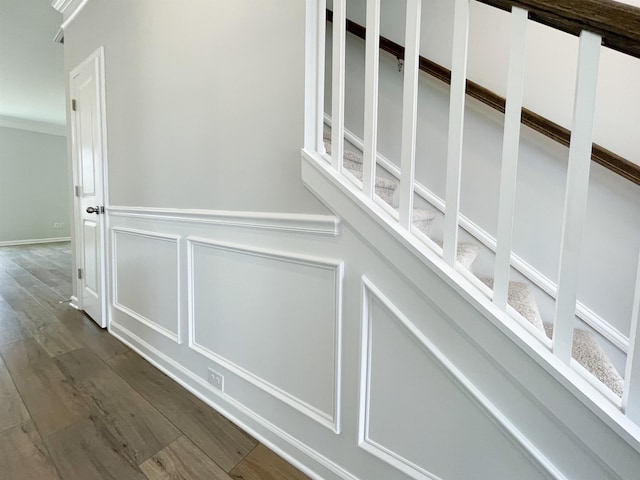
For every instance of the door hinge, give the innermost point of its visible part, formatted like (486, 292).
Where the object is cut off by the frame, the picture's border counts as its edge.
(74, 105)
(78, 190)
(79, 274)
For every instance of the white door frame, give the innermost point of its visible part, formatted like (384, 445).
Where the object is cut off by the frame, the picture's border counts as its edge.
(76, 299)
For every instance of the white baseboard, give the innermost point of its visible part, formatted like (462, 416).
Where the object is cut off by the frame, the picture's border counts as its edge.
(258, 427)
(33, 241)
(74, 302)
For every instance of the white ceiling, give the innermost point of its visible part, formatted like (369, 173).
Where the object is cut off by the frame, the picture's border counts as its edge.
(31, 64)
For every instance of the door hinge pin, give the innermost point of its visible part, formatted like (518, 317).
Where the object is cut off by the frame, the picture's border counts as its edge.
(74, 105)
(79, 274)
(78, 190)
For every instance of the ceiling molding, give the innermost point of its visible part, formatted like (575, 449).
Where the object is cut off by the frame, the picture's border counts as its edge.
(33, 126)
(69, 9)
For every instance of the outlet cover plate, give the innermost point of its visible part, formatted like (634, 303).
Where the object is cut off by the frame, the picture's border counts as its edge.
(216, 379)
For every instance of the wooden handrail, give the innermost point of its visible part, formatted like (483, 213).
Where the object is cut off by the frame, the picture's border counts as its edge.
(617, 23)
(599, 155)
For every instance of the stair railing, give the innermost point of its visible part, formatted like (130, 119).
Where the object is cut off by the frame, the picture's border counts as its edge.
(597, 23)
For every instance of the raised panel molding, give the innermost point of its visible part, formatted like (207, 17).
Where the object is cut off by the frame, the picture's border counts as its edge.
(327, 225)
(221, 402)
(292, 264)
(172, 334)
(371, 293)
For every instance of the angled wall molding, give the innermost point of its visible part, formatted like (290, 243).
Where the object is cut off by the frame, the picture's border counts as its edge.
(370, 293)
(287, 222)
(329, 419)
(173, 334)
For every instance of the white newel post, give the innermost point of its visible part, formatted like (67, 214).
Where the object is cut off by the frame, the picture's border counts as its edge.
(314, 75)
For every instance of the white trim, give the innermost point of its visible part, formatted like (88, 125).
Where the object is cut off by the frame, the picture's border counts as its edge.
(174, 239)
(74, 302)
(97, 57)
(59, 130)
(289, 222)
(59, 36)
(164, 363)
(508, 429)
(324, 182)
(583, 312)
(69, 9)
(33, 241)
(329, 420)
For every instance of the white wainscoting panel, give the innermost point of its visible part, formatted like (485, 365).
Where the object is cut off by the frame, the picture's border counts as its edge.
(442, 427)
(272, 318)
(146, 279)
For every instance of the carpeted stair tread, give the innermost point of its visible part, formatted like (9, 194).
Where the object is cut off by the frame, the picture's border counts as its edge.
(422, 219)
(350, 155)
(587, 351)
(466, 253)
(520, 297)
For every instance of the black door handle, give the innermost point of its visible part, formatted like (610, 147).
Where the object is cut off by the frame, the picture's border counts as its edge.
(95, 210)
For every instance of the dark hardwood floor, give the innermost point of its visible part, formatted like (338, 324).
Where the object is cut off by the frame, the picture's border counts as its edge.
(76, 404)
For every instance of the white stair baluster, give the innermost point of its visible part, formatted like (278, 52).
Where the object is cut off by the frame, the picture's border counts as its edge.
(337, 82)
(456, 128)
(575, 207)
(510, 149)
(372, 64)
(314, 75)
(631, 396)
(409, 111)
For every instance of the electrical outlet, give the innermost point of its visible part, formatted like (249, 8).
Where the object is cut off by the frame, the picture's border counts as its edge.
(58, 225)
(216, 379)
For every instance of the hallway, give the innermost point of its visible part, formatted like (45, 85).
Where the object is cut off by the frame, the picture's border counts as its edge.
(75, 403)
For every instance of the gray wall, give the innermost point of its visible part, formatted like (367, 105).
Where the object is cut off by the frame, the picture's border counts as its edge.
(34, 190)
(200, 114)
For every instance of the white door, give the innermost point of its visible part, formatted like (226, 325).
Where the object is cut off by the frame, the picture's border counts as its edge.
(88, 142)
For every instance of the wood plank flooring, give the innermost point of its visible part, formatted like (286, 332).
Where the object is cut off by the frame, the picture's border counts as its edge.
(76, 404)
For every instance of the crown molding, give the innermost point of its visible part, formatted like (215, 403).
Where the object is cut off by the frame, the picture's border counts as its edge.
(69, 9)
(33, 126)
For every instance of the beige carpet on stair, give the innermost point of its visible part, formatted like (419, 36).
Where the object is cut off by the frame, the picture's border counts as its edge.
(466, 253)
(353, 162)
(521, 298)
(593, 358)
